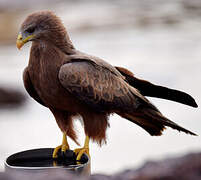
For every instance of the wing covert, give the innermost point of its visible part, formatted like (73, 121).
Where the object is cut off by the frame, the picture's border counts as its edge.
(96, 86)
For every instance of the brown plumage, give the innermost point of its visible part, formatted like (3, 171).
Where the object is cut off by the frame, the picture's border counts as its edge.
(72, 83)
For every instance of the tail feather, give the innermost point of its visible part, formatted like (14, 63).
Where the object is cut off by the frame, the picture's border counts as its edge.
(152, 121)
(166, 122)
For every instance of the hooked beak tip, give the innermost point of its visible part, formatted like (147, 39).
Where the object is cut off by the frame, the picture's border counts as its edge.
(19, 42)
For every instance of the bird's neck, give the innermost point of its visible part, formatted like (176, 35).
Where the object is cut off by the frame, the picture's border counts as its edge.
(64, 44)
(59, 38)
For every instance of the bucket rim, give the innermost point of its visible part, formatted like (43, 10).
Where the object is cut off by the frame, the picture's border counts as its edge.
(69, 167)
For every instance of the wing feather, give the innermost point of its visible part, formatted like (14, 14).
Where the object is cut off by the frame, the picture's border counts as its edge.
(98, 87)
(148, 89)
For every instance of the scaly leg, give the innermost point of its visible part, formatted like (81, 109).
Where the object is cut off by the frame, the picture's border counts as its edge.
(64, 146)
(80, 151)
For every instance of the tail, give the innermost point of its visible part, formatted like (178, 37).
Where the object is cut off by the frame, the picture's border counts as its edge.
(148, 89)
(152, 121)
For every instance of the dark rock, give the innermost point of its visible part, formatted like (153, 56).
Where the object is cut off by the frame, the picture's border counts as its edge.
(10, 98)
(186, 167)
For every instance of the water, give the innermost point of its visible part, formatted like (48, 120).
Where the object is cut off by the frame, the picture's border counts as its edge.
(162, 55)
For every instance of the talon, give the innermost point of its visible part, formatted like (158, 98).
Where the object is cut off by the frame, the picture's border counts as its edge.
(80, 151)
(55, 152)
(63, 147)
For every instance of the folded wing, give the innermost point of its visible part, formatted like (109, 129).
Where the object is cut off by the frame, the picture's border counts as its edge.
(98, 87)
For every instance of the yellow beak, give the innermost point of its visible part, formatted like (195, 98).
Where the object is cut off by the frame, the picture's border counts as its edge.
(20, 41)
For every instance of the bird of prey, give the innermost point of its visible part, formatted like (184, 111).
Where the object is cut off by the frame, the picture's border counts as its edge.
(71, 83)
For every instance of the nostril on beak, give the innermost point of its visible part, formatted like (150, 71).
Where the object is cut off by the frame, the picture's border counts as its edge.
(19, 37)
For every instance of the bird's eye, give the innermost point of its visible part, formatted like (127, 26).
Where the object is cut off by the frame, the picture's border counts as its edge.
(30, 30)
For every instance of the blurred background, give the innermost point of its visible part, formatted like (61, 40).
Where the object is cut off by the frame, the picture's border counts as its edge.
(158, 40)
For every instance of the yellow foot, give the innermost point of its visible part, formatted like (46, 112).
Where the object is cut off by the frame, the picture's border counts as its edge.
(64, 146)
(80, 151)
(56, 150)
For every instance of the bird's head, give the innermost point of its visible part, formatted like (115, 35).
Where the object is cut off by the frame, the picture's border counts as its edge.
(44, 25)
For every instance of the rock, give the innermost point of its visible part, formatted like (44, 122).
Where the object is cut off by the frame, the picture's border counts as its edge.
(186, 167)
(10, 98)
